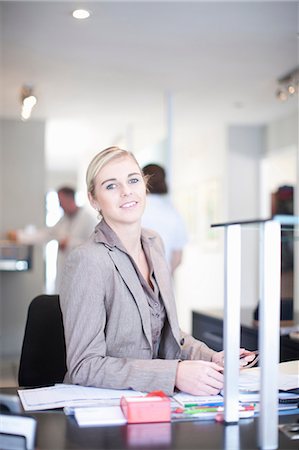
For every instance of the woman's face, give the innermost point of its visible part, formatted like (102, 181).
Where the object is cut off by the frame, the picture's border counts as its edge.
(120, 192)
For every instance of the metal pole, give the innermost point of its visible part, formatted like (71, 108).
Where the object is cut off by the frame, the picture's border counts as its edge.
(231, 331)
(269, 333)
(232, 437)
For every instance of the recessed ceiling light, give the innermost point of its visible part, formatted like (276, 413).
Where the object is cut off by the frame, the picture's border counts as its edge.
(81, 14)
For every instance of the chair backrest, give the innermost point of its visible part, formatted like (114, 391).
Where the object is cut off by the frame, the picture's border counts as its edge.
(43, 355)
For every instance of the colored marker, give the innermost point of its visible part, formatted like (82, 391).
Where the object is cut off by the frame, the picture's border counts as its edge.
(202, 410)
(190, 405)
(216, 409)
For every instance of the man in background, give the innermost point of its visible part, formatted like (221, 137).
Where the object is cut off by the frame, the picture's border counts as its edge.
(160, 215)
(74, 227)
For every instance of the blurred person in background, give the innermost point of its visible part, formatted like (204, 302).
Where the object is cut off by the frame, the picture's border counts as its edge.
(74, 227)
(160, 215)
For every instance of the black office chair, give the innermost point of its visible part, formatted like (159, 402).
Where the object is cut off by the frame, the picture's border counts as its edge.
(43, 356)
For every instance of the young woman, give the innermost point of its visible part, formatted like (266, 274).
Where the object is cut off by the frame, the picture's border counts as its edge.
(119, 312)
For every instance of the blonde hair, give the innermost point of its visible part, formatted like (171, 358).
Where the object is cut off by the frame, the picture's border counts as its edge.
(100, 160)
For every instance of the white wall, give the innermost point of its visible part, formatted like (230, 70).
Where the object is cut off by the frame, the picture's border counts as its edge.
(199, 181)
(281, 166)
(22, 174)
(57, 179)
(282, 133)
(217, 178)
(246, 146)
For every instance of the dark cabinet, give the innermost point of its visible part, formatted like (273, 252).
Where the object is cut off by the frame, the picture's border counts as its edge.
(207, 326)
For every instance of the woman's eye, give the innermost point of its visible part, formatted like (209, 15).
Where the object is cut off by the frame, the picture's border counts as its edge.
(133, 180)
(111, 186)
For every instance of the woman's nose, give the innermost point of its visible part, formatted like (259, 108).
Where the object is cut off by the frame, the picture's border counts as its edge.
(125, 191)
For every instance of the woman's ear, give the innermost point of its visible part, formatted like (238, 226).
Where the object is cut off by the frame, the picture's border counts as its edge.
(93, 202)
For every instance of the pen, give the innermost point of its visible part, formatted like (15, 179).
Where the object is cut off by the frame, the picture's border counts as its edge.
(251, 352)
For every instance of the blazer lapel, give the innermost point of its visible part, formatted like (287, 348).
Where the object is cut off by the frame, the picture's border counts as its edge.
(130, 277)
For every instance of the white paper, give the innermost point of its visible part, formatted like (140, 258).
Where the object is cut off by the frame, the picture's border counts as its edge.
(254, 397)
(102, 415)
(70, 395)
(288, 377)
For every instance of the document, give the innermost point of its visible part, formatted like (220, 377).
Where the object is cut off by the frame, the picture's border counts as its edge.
(99, 415)
(70, 395)
(288, 377)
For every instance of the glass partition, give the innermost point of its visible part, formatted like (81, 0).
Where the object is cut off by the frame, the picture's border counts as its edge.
(270, 251)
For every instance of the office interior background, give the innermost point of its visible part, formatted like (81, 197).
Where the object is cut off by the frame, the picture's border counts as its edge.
(195, 86)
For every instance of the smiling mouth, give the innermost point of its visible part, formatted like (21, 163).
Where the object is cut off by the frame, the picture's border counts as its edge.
(128, 205)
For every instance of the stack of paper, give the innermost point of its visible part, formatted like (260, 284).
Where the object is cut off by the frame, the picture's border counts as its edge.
(185, 399)
(102, 415)
(249, 389)
(70, 395)
(288, 377)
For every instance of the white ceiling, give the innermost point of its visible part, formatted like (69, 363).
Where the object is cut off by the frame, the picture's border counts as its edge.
(104, 80)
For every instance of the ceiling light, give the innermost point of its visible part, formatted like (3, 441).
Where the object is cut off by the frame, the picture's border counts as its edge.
(81, 14)
(281, 95)
(28, 101)
(288, 85)
(291, 88)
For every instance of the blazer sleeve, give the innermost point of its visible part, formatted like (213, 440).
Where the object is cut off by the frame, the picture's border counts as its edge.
(85, 281)
(194, 349)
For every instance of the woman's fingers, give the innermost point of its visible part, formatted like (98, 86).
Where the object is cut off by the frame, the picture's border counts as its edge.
(199, 377)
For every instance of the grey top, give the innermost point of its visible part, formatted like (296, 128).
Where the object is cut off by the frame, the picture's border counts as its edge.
(155, 303)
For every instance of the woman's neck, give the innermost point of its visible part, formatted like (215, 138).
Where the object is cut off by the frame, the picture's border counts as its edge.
(130, 236)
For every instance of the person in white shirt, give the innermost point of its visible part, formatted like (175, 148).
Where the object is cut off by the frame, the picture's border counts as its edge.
(74, 227)
(161, 215)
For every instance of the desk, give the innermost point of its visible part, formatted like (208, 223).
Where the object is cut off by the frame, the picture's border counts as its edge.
(57, 431)
(15, 257)
(207, 326)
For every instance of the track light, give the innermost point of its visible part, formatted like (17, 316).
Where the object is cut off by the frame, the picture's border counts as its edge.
(28, 101)
(282, 95)
(288, 85)
(291, 88)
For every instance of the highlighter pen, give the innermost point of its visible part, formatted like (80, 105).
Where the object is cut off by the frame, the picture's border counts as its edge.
(201, 410)
(190, 405)
(212, 409)
(205, 405)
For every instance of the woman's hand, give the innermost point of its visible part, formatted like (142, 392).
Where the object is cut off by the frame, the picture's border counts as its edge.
(199, 377)
(218, 358)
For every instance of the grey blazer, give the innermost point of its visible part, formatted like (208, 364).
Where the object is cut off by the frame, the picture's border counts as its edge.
(107, 320)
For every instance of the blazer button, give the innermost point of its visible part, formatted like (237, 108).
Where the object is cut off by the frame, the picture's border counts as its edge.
(182, 341)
